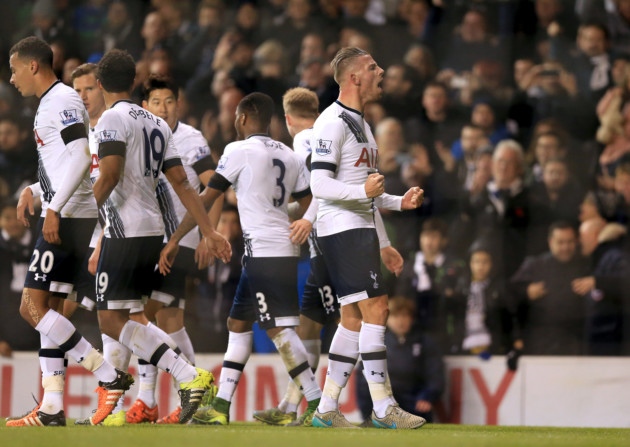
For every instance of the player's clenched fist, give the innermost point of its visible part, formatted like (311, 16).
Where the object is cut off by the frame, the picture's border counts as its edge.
(413, 198)
(374, 185)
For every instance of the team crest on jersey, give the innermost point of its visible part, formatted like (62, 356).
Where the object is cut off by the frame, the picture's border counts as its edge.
(68, 117)
(222, 163)
(201, 152)
(323, 147)
(106, 135)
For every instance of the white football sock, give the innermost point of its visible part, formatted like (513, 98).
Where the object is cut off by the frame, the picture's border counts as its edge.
(342, 356)
(374, 356)
(142, 342)
(147, 374)
(63, 333)
(53, 365)
(238, 351)
(184, 343)
(295, 360)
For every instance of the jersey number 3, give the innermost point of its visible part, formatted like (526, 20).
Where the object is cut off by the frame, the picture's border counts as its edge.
(279, 179)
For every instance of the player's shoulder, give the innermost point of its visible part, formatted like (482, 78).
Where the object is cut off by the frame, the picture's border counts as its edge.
(60, 92)
(191, 144)
(329, 120)
(188, 131)
(302, 142)
(109, 115)
(63, 100)
(187, 134)
(234, 146)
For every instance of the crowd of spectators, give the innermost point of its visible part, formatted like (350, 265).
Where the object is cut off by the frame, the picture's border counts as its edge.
(512, 115)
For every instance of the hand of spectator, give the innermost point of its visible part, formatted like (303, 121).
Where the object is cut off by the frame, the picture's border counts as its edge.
(412, 199)
(50, 229)
(606, 182)
(5, 349)
(617, 148)
(582, 286)
(300, 229)
(420, 162)
(25, 203)
(607, 99)
(392, 260)
(536, 290)
(374, 185)
(445, 76)
(479, 182)
(423, 406)
(512, 359)
(530, 77)
(554, 29)
(569, 82)
(167, 256)
(222, 51)
(446, 156)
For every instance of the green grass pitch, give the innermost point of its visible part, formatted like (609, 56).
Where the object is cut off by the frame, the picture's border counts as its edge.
(258, 435)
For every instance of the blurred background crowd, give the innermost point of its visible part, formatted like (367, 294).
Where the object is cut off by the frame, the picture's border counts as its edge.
(512, 115)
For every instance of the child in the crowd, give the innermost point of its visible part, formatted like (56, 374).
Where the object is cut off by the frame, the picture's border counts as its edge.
(430, 278)
(482, 313)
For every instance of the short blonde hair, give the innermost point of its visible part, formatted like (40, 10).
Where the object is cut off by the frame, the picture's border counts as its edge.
(343, 59)
(300, 102)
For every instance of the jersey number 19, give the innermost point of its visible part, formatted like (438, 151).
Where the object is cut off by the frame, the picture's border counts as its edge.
(153, 153)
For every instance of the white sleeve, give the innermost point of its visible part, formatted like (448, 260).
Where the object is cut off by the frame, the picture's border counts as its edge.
(304, 176)
(327, 142)
(311, 212)
(77, 165)
(231, 162)
(388, 202)
(383, 239)
(36, 189)
(324, 186)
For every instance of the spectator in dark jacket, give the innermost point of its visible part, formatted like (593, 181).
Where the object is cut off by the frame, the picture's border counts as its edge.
(555, 313)
(16, 245)
(499, 213)
(415, 365)
(606, 289)
(18, 158)
(557, 197)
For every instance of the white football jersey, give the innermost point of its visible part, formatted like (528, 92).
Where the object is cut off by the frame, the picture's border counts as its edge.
(93, 176)
(195, 155)
(343, 143)
(302, 147)
(302, 143)
(146, 142)
(264, 173)
(60, 109)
